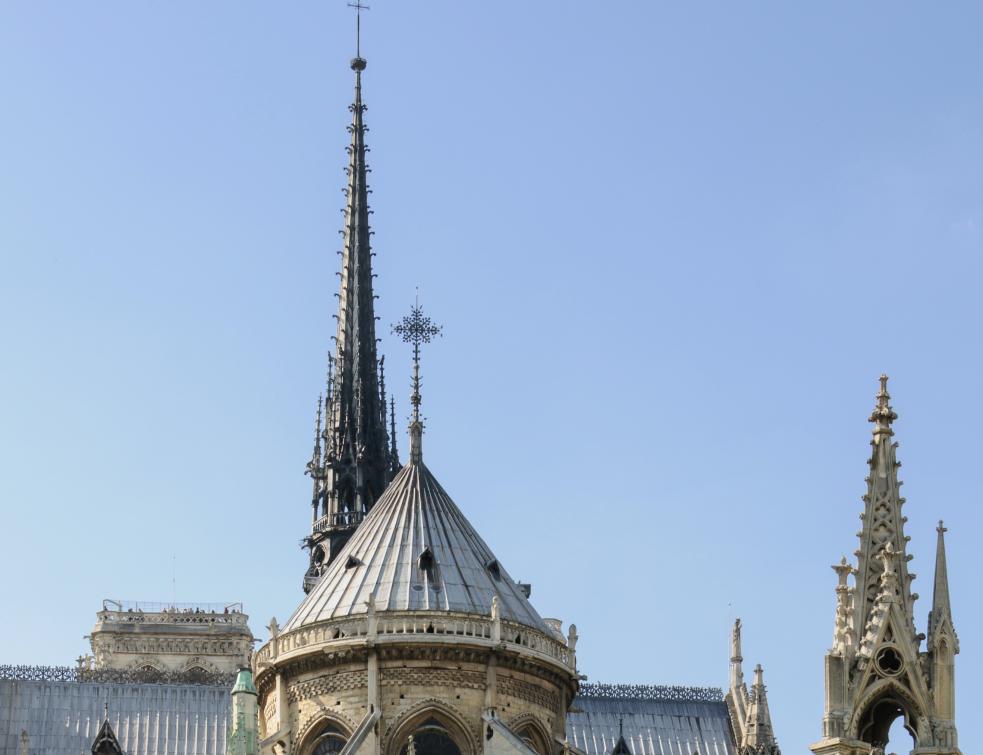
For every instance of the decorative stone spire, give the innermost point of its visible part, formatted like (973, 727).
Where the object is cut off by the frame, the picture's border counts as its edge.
(877, 670)
(844, 633)
(736, 659)
(759, 736)
(943, 645)
(351, 465)
(941, 610)
(883, 522)
(417, 329)
(737, 692)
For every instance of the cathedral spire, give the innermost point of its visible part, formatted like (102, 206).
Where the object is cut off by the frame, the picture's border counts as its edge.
(883, 522)
(355, 466)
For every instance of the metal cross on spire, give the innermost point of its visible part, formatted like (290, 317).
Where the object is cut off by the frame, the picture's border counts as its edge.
(357, 5)
(417, 329)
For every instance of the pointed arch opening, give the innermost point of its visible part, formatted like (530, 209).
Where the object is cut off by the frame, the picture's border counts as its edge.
(883, 722)
(324, 736)
(534, 736)
(432, 730)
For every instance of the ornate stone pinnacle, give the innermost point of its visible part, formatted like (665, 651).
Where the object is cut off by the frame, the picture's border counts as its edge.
(883, 415)
(843, 571)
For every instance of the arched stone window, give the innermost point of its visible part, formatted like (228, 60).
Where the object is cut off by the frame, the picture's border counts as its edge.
(329, 740)
(430, 737)
(534, 738)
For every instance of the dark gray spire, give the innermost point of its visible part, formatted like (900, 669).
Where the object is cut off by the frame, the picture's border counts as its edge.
(355, 466)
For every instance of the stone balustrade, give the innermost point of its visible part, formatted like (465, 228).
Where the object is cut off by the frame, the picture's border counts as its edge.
(414, 627)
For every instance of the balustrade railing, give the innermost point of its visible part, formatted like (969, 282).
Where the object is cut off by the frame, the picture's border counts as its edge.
(338, 519)
(391, 628)
(133, 612)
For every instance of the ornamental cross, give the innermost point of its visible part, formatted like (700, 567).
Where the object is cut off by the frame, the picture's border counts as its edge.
(417, 328)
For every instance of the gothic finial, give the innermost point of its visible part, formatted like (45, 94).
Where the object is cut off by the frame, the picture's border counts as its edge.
(883, 415)
(417, 329)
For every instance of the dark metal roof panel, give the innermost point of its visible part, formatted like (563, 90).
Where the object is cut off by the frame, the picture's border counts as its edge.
(657, 724)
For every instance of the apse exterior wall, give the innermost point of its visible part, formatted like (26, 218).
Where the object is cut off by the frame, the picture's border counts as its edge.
(62, 718)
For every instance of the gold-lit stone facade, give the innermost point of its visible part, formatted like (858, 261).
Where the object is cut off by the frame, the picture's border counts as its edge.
(373, 681)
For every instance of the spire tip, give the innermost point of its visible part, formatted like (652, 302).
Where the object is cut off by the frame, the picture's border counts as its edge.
(883, 414)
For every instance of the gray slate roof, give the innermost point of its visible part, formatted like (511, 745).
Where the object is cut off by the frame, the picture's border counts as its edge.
(383, 558)
(62, 718)
(656, 721)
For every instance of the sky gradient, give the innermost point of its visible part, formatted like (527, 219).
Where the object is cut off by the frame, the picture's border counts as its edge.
(672, 246)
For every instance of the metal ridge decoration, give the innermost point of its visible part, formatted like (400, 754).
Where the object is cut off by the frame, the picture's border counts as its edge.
(661, 693)
(113, 676)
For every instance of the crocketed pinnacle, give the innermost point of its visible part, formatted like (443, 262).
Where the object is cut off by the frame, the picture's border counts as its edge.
(941, 609)
(883, 522)
(759, 736)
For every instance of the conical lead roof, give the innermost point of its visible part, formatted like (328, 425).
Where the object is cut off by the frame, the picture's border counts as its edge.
(415, 551)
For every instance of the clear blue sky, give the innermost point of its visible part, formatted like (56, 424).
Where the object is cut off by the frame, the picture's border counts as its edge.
(673, 246)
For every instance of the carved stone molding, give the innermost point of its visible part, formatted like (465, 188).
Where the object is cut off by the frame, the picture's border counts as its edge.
(324, 685)
(531, 693)
(426, 677)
